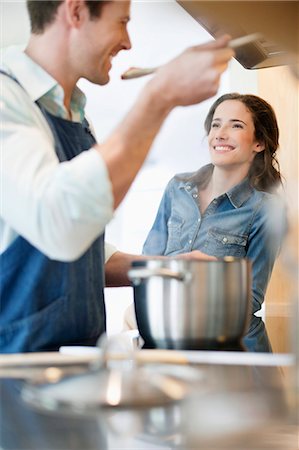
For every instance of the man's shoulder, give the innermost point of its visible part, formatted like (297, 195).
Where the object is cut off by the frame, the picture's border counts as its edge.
(9, 56)
(11, 87)
(13, 95)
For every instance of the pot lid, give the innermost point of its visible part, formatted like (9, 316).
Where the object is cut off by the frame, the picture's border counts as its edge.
(106, 388)
(108, 383)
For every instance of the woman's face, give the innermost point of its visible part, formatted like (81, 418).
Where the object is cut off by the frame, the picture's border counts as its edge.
(231, 138)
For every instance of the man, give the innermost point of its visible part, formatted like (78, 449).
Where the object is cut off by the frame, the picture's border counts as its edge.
(59, 187)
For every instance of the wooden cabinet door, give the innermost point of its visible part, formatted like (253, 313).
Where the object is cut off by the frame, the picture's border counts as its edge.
(281, 89)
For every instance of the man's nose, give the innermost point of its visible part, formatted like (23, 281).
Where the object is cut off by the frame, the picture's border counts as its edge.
(127, 45)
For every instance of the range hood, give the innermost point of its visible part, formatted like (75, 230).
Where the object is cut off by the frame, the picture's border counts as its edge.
(277, 21)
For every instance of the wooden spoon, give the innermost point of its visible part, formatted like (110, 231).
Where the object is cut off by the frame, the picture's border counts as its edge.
(136, 72)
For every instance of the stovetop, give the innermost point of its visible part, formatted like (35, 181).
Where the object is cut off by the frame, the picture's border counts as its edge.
(233, 346)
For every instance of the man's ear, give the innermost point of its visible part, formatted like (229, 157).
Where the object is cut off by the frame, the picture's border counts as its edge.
(76, 12)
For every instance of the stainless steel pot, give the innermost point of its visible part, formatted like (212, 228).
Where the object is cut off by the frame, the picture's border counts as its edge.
(183, 304)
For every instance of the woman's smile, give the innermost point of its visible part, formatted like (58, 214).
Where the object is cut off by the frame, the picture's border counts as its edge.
(223, 148)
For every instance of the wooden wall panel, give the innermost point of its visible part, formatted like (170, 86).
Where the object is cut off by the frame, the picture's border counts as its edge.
(281, 89)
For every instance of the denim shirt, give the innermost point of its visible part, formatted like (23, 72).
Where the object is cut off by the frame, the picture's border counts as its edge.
(234, 224)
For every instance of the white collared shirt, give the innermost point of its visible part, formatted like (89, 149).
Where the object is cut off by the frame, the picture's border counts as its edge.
(60, 208)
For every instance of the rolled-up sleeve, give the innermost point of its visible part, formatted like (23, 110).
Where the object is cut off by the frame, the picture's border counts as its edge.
(266, 237)
(110, 249)
(156, 241)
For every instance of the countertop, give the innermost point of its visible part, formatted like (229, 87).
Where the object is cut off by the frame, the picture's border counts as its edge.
(227, 406)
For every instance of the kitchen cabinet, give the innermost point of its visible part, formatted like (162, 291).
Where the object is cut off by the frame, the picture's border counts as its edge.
(281, 89)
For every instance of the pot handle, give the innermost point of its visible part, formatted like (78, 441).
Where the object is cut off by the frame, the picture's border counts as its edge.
(136, 275)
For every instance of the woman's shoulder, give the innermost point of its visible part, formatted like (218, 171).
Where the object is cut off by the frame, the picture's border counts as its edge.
(194, 177)
(271, 208)
(274, 197)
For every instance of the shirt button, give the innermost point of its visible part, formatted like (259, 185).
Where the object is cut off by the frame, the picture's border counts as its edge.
(198, 220)
(194, 195)
(190, 242)
(188, 187)
(224, 240)
(215, 202)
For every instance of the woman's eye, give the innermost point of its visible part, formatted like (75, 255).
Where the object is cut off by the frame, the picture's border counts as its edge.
(215, 125)
(237, 125)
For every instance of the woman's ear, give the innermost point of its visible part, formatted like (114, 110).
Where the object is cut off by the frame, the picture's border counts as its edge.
(259, 147)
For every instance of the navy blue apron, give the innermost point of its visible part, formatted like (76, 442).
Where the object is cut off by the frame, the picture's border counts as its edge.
(47, 303)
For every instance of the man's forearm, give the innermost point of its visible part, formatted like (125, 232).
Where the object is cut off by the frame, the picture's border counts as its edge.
(118, 265)
(116, 269)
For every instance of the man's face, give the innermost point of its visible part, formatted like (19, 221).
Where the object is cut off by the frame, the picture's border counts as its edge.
(100, 39)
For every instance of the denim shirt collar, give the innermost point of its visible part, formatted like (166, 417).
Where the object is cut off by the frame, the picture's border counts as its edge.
(236, 195)
(240, 193)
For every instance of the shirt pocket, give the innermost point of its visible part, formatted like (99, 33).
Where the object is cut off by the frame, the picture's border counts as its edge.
(174, 228)
(222, 243)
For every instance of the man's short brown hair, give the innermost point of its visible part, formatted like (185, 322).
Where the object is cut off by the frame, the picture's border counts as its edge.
(43, 12)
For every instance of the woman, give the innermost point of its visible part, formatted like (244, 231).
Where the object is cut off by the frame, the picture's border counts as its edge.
(224, 208)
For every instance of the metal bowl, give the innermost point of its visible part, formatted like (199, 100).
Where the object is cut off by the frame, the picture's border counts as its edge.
(183, 304)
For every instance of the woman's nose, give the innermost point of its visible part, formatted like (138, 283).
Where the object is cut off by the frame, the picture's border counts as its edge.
(221, 133)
